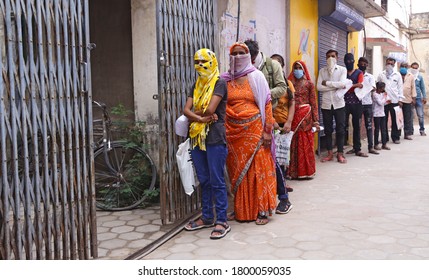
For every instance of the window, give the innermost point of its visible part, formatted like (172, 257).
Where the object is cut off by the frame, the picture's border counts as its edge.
(368, 55)
(384, 5)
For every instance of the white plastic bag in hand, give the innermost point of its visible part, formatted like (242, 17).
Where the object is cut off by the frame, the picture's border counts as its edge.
(283, 142)
(181, 126)
(186, 168)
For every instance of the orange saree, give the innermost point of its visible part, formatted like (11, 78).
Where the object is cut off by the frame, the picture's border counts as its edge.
(250, 165)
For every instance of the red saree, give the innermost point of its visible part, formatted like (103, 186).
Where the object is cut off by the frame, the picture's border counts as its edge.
(302, 162)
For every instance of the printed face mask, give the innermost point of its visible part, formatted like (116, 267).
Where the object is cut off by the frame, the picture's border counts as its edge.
(203, 69)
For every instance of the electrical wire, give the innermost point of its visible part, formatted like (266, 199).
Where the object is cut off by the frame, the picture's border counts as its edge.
(238, 21)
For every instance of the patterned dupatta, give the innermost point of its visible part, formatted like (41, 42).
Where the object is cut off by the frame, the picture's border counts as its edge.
(208, 75)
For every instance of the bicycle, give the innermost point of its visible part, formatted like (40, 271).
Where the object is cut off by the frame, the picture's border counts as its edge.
(124, 173)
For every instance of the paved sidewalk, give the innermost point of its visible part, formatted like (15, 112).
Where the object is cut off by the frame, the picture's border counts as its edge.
(124, 233)
(370, 208)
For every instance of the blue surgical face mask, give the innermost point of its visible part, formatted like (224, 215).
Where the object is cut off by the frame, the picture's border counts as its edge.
(403, 71)
(298, 73)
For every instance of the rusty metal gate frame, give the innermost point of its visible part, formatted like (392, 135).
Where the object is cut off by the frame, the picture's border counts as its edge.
(184, 26)
(47, 205)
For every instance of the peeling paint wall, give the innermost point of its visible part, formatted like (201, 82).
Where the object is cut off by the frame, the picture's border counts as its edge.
(268, 18)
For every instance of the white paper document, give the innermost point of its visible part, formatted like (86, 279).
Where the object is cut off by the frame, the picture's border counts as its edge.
(361, 92)
(342, 91)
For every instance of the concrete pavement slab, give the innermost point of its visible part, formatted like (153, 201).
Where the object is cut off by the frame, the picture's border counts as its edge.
(370, 208)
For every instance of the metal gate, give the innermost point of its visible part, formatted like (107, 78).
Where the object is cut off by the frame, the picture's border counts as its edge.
(47, 208)
(184, 27)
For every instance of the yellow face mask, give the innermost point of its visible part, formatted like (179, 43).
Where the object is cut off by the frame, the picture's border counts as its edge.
(206, 66)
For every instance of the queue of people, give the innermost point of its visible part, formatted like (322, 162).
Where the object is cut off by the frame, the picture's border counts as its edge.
(233, 117)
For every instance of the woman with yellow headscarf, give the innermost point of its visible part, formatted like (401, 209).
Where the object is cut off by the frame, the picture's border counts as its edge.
(206, 109)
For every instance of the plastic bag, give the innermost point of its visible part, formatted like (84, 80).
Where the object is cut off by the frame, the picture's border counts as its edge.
(186, 168)
(181, 126)
(283, 142)
(399, 117)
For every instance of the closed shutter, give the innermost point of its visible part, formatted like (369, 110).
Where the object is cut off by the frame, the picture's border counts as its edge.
(331, 37)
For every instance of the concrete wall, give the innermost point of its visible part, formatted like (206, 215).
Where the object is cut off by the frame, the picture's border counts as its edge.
(145, 64)
(419, 51)
(262, 20)
(387, 27)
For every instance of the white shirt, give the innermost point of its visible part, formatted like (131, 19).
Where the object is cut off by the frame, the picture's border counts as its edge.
(378, 105)
(333, 82)
(394, 86)
(369, 78)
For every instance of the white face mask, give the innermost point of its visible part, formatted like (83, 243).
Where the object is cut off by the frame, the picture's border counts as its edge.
(415, 72)
(331, 62)
(389, 69)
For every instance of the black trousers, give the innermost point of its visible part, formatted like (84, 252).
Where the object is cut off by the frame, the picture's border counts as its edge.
(380, 126)
(368, 116)
(407, 110)
(340, 127)
(356, 111)
(395, 133)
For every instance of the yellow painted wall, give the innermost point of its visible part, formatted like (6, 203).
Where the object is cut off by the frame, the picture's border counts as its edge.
(353, 44)
(304, 30)
(304, 34)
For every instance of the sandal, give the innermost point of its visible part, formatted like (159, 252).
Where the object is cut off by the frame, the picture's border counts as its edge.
(360, 154)
(195, 225)
(226, 228)
(341, 158)
(352, 151)
(261, 220)
(327, 158)
(230, 216)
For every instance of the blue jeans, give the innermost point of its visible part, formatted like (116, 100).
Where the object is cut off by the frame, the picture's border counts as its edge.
(420, 114)
(209, 166)
(281, 183)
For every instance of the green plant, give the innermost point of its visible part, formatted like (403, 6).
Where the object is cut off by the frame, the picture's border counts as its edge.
(132, 132)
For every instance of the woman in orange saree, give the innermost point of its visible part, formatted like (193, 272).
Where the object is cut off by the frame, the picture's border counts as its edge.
(249, 124)
(302, 158)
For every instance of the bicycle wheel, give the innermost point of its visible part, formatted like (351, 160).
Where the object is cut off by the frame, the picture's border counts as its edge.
(124, 176)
